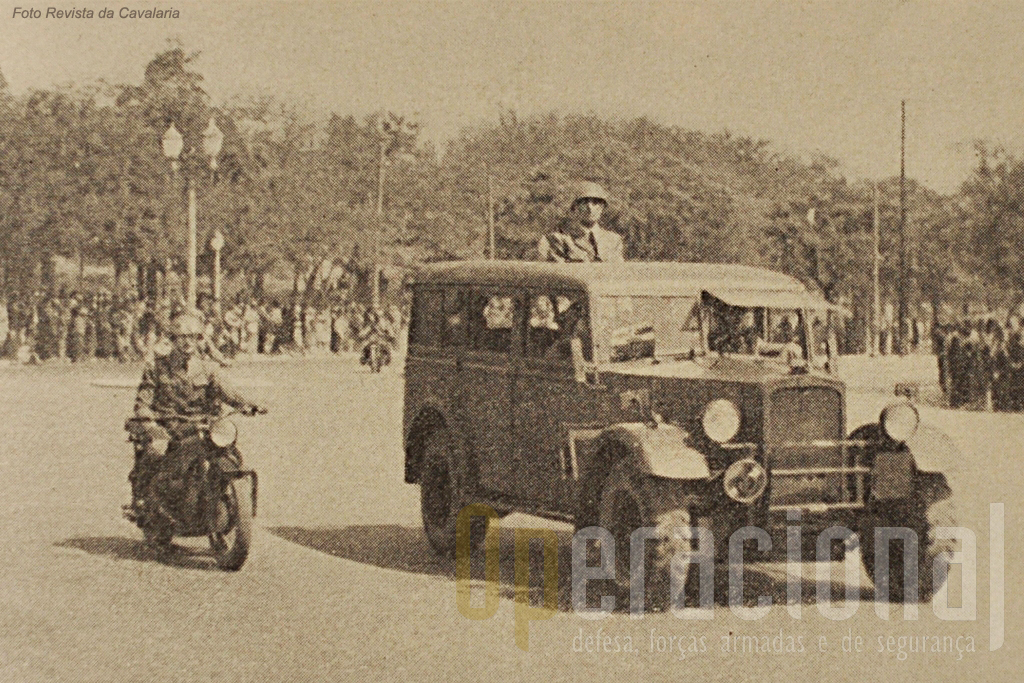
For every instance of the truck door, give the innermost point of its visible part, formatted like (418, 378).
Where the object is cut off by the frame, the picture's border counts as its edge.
(550, 398)
(487, 379)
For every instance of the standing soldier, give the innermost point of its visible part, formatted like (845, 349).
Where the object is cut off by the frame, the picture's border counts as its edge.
(1015, 368)
(939, 347)
(77, 330)
(89, 343)
(583, 238)
(999, 369)
(64, 317)
(955, 344)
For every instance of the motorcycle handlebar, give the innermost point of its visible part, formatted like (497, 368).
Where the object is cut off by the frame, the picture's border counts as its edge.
(200, 419)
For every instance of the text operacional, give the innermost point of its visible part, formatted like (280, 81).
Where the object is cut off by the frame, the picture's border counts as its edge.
(105, 13)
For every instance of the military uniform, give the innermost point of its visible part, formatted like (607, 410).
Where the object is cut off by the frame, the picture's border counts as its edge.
(173, 385)
(594, 243)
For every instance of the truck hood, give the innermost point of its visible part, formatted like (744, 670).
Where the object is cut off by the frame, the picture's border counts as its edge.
(716, 369)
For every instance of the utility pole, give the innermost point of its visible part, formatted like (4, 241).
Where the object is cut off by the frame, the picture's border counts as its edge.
(876, 300)
(490, 216)
(902, 281)
(378, 232)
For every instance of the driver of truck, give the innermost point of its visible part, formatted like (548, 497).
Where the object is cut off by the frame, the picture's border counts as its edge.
(572, 324)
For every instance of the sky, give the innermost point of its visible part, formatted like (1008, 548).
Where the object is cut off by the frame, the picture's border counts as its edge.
(811, 77)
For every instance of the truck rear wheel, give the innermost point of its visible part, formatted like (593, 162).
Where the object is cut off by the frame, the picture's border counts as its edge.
(441, 495)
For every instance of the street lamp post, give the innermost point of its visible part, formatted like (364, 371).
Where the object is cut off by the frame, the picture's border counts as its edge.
(173, 144)
(216, 243)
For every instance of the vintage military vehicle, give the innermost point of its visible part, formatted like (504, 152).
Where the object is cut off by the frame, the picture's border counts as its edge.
(653, 395)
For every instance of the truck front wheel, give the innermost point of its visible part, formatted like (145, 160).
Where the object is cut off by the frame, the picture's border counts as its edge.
(929, 508)
(631, 500)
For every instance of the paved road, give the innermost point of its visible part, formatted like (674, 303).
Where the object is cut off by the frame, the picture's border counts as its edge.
(342, 586)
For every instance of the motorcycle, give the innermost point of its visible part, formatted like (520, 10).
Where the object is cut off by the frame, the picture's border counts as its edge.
(201, 489)
(376, 353)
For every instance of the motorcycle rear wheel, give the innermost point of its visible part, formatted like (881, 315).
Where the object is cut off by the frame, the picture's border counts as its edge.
(231, 547)
(158, 538)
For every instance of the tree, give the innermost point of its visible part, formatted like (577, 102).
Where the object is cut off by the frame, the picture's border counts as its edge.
(993, 203)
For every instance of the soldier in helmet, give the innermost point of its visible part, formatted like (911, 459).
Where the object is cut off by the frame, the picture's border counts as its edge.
(176, 384)
(583, 238)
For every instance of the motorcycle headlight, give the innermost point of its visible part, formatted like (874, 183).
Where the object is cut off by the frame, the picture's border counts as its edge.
(223, 433)
(745, 480)
(899, 421)
(721, 420)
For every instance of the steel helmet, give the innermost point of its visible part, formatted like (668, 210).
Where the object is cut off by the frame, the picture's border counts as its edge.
(587, 190)
(187, 324)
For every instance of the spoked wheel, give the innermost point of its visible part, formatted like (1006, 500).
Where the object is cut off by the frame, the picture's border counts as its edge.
(230, 543)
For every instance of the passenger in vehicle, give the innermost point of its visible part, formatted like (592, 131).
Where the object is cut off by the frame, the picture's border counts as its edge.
(583, 239)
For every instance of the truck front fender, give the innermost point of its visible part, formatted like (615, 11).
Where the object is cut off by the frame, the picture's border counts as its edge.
(893, 465)
(930, 449)
(662, 451)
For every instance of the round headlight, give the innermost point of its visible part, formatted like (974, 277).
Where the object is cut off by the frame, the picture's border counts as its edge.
(899, 421)
(745, 480)
(223, 433)
(721, 420)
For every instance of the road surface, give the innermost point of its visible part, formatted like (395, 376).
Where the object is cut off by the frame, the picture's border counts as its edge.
(341, 584)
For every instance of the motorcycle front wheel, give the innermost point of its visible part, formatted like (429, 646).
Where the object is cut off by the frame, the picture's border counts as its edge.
(230, 546)
(376, 357)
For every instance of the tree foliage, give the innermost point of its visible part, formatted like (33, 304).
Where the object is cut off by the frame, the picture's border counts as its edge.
(82, 175)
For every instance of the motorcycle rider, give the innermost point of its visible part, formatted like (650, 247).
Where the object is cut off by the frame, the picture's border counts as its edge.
(376, 328)
(176, 383)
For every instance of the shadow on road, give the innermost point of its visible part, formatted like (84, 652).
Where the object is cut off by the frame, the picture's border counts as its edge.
(121, 548)
(406, 549)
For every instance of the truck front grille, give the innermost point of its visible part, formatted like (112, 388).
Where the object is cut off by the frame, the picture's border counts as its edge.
(809, 465)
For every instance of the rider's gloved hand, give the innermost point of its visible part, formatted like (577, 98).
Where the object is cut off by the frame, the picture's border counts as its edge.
(144, 413)
(254, 409)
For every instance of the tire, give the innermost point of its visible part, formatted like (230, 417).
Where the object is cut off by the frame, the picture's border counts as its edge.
(159, 538)
(441, 497)
(629, 501)
(376, 357)
(231, 546)
(931, 507)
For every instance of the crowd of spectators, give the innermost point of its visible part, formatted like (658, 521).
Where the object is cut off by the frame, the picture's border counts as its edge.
(981, 363)
(66, 326)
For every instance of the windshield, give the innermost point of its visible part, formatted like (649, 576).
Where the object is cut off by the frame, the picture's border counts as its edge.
(632, 327)
(754, 331)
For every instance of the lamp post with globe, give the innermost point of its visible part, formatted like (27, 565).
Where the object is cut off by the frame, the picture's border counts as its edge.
(173, 143)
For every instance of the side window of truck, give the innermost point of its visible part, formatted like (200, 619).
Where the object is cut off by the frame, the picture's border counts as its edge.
(554, 320)
(425, 323)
